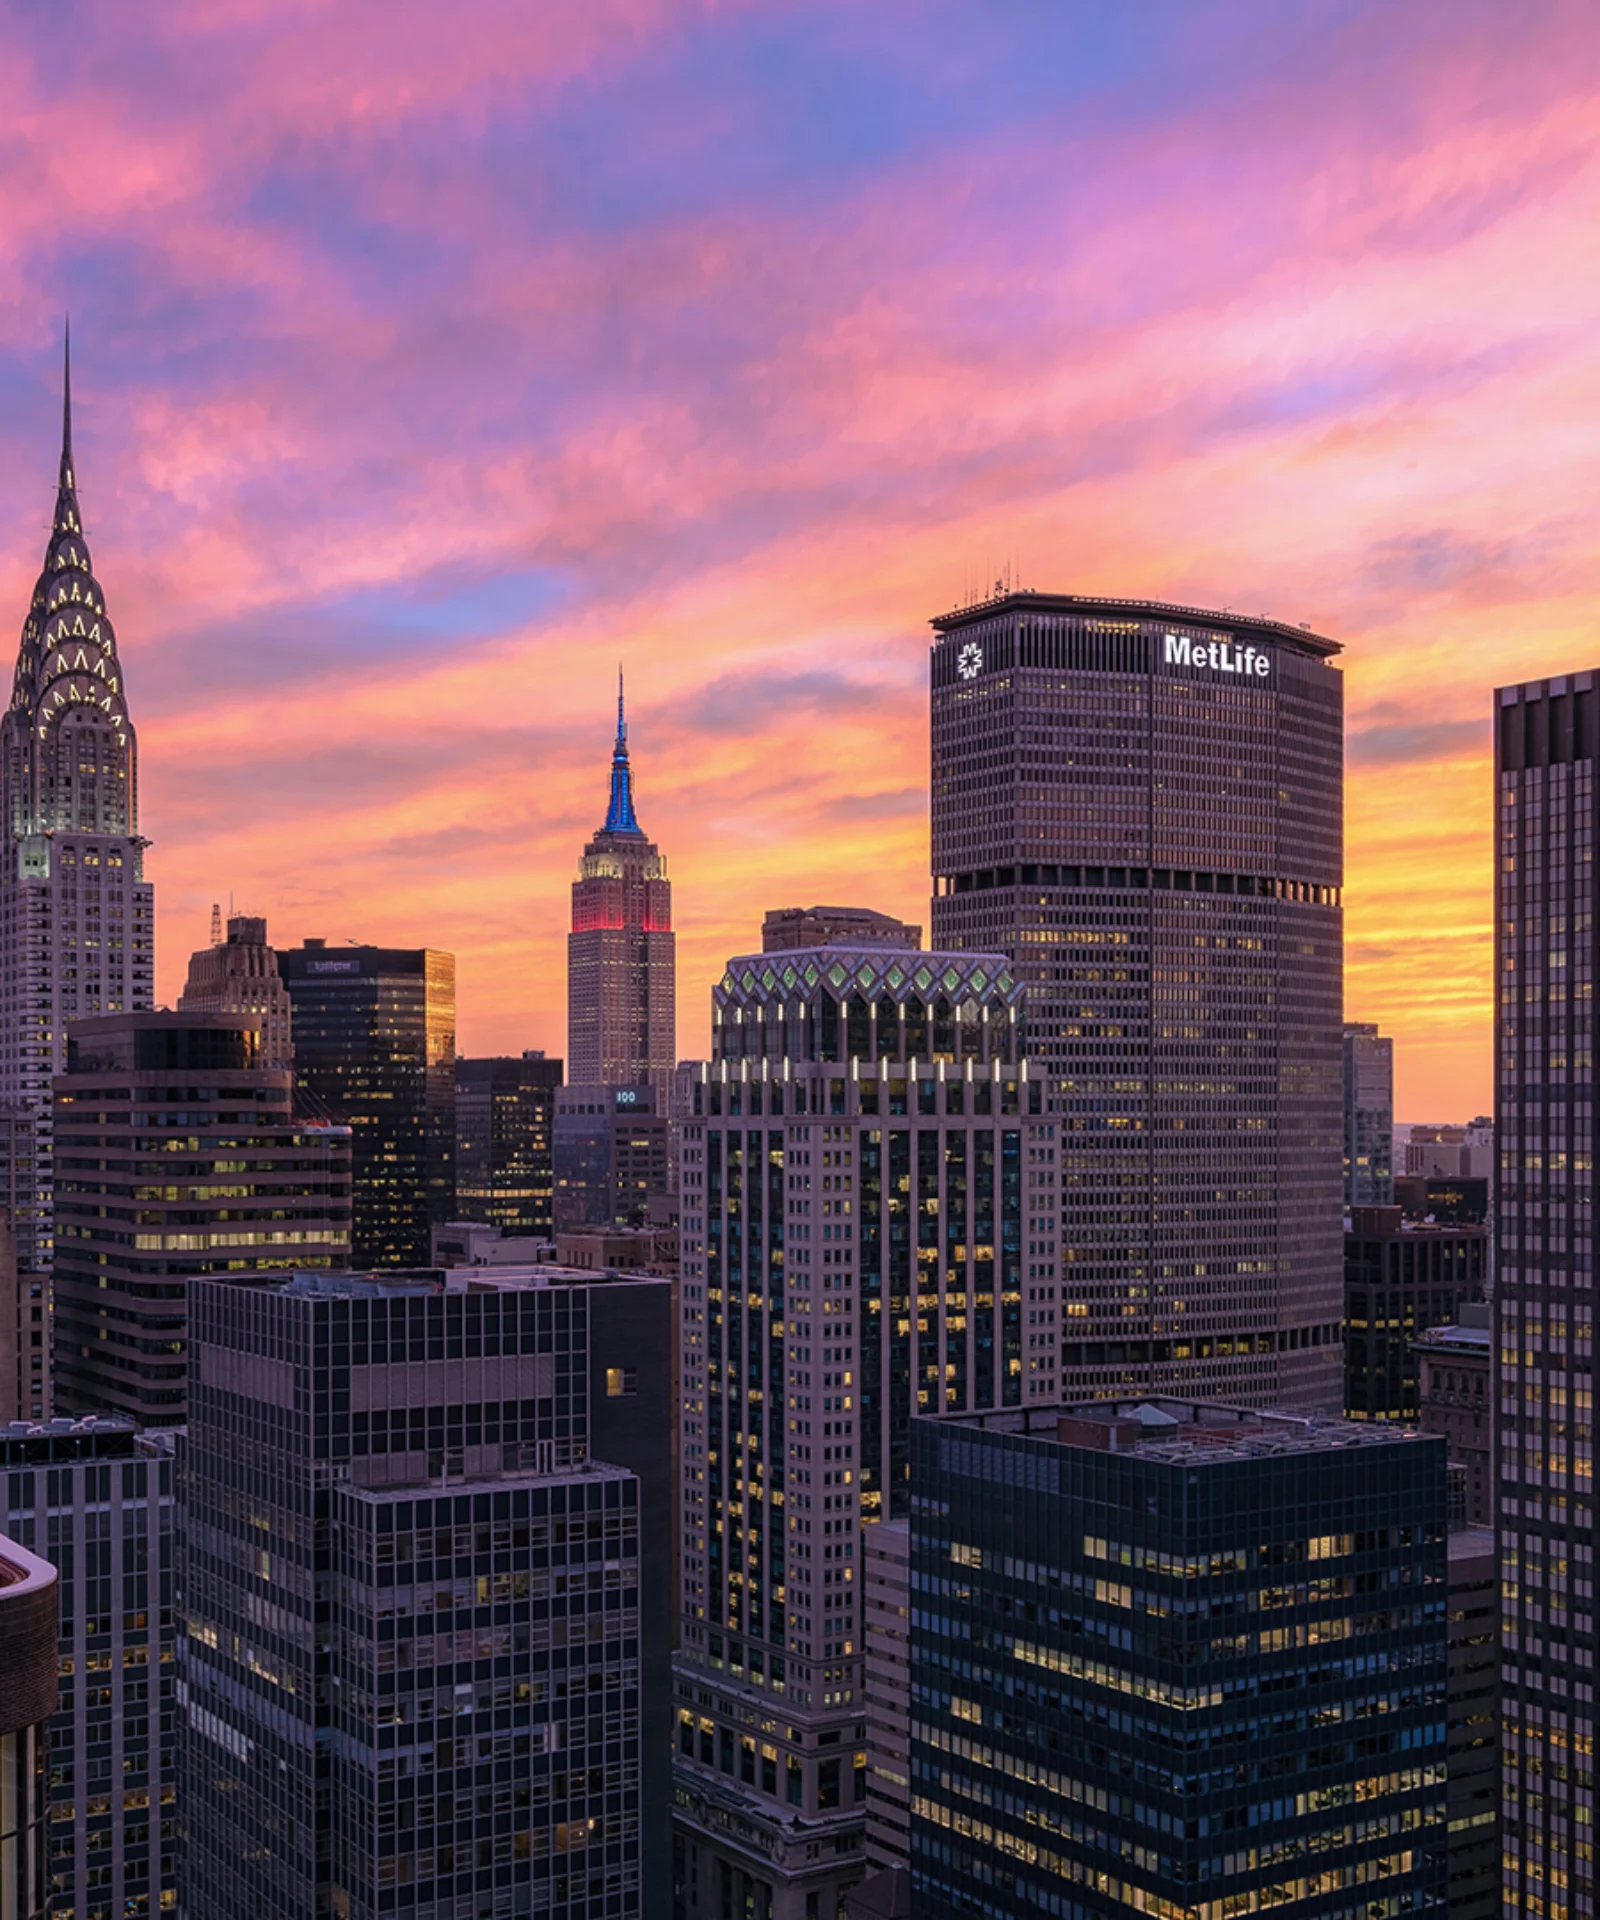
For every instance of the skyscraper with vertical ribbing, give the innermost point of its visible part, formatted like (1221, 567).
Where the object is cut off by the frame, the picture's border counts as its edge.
(1547, 736)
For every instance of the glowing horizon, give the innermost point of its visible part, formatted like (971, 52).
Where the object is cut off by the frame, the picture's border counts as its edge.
(421, 375)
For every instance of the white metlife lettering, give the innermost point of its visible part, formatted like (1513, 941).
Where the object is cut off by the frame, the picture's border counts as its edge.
(1222, 656)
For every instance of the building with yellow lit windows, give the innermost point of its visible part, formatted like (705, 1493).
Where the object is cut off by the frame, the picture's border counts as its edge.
(869, 1202)
(76, 913)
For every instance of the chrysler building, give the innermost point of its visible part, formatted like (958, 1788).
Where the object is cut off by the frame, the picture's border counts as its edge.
(76, 913)
(621, 952)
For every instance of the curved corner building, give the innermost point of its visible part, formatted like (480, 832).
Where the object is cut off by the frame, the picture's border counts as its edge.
(1141, 806)
(28, 1694)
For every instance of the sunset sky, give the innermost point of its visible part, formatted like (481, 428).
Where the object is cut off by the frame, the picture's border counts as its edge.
(429, 360)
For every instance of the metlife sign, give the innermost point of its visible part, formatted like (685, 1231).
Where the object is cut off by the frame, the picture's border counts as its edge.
(1215, 656)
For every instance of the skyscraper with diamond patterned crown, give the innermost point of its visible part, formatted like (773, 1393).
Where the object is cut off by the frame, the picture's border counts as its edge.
(76, 913)
(622, 952)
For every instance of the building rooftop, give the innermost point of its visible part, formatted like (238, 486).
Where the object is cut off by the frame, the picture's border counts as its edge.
(1185, 1432)
(1092, 606)
(1457, 1339)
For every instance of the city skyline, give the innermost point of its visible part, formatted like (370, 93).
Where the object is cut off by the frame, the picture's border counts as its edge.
(404, 508)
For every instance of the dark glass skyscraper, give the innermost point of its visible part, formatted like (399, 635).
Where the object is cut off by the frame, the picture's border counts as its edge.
(1175, 1659)
(375, 1048)
(1140, 806)
(505, 1131)
(622, 952)
(77, 917)
(95, 1497)
(408, 1601)
(177, 1154)
(1368, 1116)
(1547, 736)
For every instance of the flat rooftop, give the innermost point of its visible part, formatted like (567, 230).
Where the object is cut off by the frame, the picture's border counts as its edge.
(1093, 606)
(1184, 1432)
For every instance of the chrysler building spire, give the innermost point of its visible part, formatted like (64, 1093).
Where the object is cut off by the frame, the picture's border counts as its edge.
(72, 883)
(67, 751)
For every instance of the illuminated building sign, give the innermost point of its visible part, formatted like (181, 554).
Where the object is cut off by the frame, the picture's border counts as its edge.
(1215, 656)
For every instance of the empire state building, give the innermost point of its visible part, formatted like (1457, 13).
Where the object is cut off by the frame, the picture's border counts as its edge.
(76, 913)
(622, 952)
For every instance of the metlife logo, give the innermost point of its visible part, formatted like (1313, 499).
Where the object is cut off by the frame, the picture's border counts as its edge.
(1215, 656)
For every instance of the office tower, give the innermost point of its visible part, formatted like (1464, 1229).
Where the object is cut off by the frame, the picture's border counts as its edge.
(1400, 1279)
(1455, 1399)
(505, 1157)
(240, 975)
(375, 1048)
(76, 914)
(794, 929)
(1545, 745)
(622, 952)
(633, 1423)
(96, 1498)
(177, 1155)
(613, 1158)
(453, 1727)
(887, 1619)
(1176, 1658)
(1473, 1726)
(28, 1688)
(1141, 807)
(24, 1335)
(870, 1194)
(1368, 1116)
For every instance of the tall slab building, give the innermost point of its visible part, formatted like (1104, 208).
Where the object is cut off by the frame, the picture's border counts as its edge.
(76, 914)
(1546, 734)
(869, 1199)
(1140, 805)
(622, 952)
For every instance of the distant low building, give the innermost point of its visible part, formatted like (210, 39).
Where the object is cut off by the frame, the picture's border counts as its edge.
(652, 1250)
(1450, 1200)
(1455, 1398)
(1400, 1279)
(471, 1243)
(793, 929)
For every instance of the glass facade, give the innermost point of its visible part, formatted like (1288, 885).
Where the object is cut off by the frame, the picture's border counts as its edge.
(1141, 807)
(1399, 1281)
(28, 1691)
(95, 1499)
(409, 1607)
(1546, 734)
(375, 1048)
(1368, 1117)
(1178, 1660)
(176, 1155)
(505, 1158)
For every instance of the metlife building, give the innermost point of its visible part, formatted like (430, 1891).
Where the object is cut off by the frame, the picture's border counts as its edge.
(1140, 805)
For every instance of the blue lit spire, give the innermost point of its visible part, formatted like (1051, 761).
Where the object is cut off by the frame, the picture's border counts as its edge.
(619, 815)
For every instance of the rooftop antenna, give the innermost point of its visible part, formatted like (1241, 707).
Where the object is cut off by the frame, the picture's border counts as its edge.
(216, 923)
